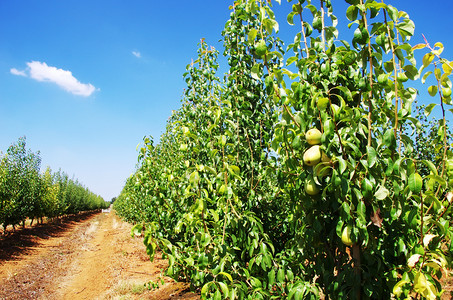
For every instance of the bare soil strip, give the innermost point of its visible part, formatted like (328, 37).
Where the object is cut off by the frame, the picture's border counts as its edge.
(85, 257)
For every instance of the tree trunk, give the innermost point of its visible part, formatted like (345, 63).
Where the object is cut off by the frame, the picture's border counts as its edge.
(357, 269)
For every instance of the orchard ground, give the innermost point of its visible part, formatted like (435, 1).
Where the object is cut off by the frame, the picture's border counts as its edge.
(87, 256)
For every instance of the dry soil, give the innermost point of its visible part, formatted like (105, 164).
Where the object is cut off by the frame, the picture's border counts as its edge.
(87, 256)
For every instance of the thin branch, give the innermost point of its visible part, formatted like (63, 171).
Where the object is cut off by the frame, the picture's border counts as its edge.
(395, 75)
(303, 34)
(323, 38)
(370, 94)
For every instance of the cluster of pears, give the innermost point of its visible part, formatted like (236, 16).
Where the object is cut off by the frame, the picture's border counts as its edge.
(317, 159)
(313, 156)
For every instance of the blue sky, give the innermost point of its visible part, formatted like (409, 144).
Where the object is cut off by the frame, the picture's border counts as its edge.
(85, 81)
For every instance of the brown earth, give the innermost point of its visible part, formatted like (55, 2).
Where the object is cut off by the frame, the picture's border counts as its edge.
(88, 256)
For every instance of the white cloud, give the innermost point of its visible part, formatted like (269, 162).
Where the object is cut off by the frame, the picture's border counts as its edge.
(40, 71)
(137, 54)
(17, 72)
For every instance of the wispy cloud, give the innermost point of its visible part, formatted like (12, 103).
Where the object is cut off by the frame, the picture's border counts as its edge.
(137, 54)
(40, 71)
(17, 72)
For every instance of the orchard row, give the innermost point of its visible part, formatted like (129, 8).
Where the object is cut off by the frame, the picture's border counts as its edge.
(25, 192)
(305, 172)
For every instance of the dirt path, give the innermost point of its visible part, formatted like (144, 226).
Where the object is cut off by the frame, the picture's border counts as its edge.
(88, 257)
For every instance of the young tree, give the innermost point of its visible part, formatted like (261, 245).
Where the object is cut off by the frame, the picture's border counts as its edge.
(21, 184)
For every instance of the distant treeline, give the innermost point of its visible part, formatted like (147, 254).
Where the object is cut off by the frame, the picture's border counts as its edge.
(25, 192)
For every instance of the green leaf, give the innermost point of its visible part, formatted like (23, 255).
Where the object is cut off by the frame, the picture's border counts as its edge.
(281, 275)
(224, 289)
(406, 27)
(252, 35)
(346, 92)
(317, 23)
(271, 277)
(361, 211)
(426, 76)
(376, 5)
(430, 165)
(296, 144)
(393, 13)
(339, 228)
(342, 165)
(290, 275)
(411, 72)
(308, 29)
(424, 287)
(351, 13)
(418, 46)
(381, 40)
(389, 138)
(291, 60)
(398, 288)
(346, 208)
(388, 65)
(429, 109)
(437, 73)
(440, 50)
(256, 72)
(447, 67)
(205, 288)
(270, 25)
(290, 18)
(137, 230)
(415, 183)
(361, 36)
(371, 156)
(235, 169)
(432, 90)
(294, 293)
(194, 177)
(427, 59)
(223, 140)
(367, 188)
(381, 193)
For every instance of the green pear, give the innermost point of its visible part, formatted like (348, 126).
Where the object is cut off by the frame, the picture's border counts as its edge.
(322, 103)
(312, 156)
(260, 48)
(310, 186)
(313, 136)
(346, 236)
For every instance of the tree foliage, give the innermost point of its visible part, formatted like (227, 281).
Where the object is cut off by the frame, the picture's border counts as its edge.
(245, 205)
